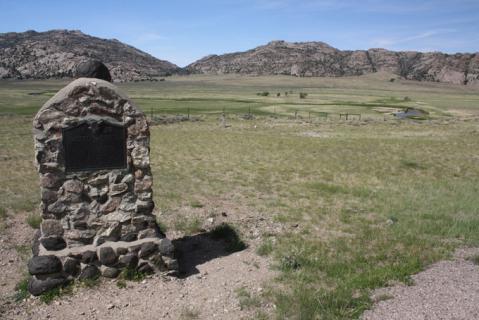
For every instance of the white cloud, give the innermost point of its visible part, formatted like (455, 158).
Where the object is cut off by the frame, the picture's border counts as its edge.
(393, 41)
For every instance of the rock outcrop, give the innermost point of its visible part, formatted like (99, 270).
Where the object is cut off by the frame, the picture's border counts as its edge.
(320, 59)
(57, 53)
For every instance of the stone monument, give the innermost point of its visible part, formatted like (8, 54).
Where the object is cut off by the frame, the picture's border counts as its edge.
(92, 154)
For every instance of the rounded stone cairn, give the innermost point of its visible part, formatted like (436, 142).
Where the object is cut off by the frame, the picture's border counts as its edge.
(93, 69)
(95, 222)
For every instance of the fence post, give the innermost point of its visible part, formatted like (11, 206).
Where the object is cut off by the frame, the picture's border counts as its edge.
(188, 113)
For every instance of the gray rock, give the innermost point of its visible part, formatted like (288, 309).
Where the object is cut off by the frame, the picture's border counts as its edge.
(143, 185)
(36, 243)
(107, 256)
(147, 233)
(93, 69)
(113, 232)
(140, 157)
(118, 188)
(71, 266)
(128, 179)
(166, 247)
(144, 206)
(121, 251)
(157, 260)
(73, 186)
(145, 267)
(89, 272)
(129, 237)
(109, 272)
(51, 227)
(81, 236)
(40, 265)
(129, 260)
(50, 180)
(58, 208)
(147, 249)
(37, 286)
(53, 243)
(89, 257)
(48, 195)
(171, 264)
(99, 180)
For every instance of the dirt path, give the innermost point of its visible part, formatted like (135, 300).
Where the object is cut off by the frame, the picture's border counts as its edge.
(446, 290)
(209, 288)
(15, 246)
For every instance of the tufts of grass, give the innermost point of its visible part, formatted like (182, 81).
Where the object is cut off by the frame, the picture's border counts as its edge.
(55, 293)
(34, 220)
(411, 164)
(265, 248)
(131, 274)
(188, 226)
(246, 300)
(228, 234)
(3, 216)
(24, 251)
(196, 204)
(121, 284)
(21, 289)
(328, 188)
(189, 314)
(474, 259)
(161, 225)
(90, 282)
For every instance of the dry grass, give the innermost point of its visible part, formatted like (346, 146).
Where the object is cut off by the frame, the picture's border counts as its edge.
(372, 201)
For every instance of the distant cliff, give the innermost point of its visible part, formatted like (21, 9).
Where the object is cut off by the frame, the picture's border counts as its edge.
(310, 59)
(56, 53)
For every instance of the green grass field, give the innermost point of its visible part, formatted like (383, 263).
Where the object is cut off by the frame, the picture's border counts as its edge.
(375, 200)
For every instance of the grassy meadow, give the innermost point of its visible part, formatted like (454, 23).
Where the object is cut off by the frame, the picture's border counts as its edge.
(363, 203)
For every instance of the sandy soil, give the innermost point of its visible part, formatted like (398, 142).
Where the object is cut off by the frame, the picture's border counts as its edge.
(207, 288)
(15, 243)
(210, 280)
(446, 290)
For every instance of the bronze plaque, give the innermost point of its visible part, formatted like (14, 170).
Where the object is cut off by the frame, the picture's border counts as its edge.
(94, 146)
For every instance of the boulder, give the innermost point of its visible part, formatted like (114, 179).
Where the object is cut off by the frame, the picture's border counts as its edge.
(107, 256)
(129, 260)
(93, 69)
(53, 243)
(147, 249)
(40, 265)
(109, 272)
(38, 286)
(89, 272)
(71, 266)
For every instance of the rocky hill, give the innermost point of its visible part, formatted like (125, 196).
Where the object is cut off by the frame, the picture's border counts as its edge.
(56, 53)
(320, 59)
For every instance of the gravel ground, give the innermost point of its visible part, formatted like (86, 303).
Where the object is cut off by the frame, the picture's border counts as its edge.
(208, 287)
(446, 290)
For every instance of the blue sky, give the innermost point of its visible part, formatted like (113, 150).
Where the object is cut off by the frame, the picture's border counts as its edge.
(183, 31)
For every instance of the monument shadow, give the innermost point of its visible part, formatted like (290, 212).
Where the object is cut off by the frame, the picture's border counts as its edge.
(197, 249)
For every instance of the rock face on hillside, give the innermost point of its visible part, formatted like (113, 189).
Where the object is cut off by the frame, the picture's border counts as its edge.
(320, 59)
(57, 53)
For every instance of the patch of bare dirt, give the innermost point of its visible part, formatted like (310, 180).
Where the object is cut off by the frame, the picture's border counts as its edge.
(446, 290)
(208, 286)
(15, 243)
